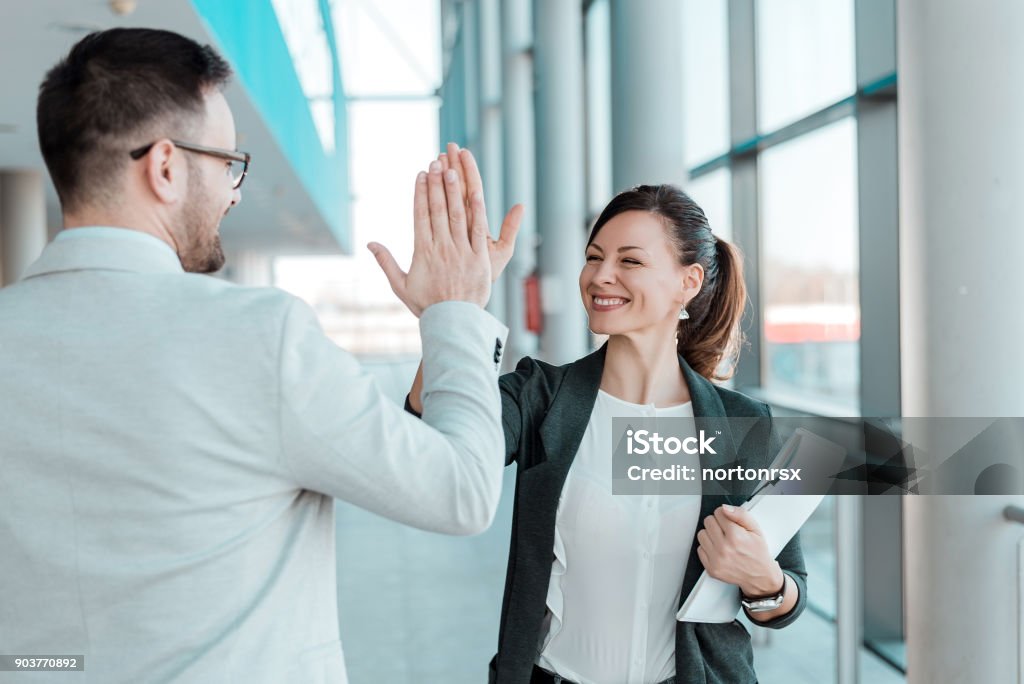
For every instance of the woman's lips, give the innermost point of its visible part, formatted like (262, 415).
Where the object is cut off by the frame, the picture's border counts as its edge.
(608, 303)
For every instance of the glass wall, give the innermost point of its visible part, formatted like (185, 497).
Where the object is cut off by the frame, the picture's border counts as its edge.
(809, 265)
(706, 86)
(776, 154)
(713, 192)
(805, 58)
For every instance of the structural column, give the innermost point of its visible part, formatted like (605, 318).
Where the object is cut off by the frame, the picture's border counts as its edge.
(960, 136)
(647, 93)
(744, 180)
(561, 170)
(875, 587)
(22, 222)
(520, 179)
(489, 153)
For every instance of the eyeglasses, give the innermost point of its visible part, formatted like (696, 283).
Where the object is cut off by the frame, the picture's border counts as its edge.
(239, 161)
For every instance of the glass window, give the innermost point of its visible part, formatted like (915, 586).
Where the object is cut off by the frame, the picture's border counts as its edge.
(713, 192)
(303, 28)
(389, 48)
(810, 265)
(705, 80)
(817, 539)
(599, 107)
(805, 58)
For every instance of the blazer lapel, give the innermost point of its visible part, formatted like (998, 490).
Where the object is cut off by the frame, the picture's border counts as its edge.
(709, 414)
(562, 429)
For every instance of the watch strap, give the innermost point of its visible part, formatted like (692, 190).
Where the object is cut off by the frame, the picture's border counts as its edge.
(761, 604)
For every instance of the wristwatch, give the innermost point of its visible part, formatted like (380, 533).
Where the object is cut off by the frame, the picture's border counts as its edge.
(763, 604)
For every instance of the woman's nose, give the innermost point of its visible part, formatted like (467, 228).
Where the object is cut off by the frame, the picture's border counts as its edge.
(606, 273)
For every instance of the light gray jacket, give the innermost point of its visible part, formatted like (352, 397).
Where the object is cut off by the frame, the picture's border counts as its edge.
(169, 448)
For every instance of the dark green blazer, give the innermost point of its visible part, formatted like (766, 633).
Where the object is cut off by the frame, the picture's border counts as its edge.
(545, 413)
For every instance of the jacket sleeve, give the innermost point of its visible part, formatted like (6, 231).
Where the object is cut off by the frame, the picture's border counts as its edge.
(512, 388)
(341, 436)
(514, 406)
(791, 558)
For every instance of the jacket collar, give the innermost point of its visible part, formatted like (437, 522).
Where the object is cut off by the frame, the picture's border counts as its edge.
(566, 420)
(106, 249)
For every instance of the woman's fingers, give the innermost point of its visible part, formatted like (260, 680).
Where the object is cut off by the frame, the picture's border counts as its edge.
(471, 173)
(392, 271)
(704, 540)
(714, 530)
(737, 516)
(510, 227)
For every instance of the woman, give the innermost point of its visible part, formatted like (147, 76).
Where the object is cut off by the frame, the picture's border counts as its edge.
(594, 581)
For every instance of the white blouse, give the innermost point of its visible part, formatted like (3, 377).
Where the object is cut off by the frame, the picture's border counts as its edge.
(618, 564)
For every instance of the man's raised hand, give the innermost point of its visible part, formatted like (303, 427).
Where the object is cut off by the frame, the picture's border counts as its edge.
(500, 250)
(450, 260)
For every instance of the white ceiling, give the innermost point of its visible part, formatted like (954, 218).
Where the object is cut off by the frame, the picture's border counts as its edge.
(276, 216)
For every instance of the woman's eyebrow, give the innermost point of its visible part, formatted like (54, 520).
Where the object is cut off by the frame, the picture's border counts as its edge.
(620, 250)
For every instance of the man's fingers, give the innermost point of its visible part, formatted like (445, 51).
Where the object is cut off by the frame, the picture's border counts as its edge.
(392, 271)
(438, 204)
(455, 162)
(473, 187)
(473, 181)
(422, 237)
(479, 235)
(456, 210)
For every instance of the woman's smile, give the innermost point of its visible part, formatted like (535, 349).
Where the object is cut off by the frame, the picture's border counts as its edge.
(608, 303)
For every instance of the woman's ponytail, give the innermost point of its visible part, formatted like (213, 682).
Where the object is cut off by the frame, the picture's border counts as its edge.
(711, 338)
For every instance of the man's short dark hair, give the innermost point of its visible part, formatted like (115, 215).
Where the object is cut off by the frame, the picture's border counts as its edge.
(113, 89)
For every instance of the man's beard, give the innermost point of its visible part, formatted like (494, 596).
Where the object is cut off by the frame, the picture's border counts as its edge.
(202, 252)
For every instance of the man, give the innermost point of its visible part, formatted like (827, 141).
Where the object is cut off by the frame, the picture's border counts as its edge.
(170, 443)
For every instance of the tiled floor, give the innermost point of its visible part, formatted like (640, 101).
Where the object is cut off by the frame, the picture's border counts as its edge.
(421, 608)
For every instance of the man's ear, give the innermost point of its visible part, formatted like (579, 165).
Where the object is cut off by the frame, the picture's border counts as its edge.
(165, 172)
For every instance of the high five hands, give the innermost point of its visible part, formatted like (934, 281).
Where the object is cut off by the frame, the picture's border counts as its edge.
(464, 165)
(454, 256)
